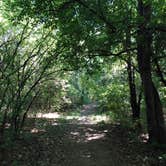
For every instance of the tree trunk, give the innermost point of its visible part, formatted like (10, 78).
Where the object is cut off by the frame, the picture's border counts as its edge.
(2, 126)
(155, 119)
(133, 94)
(160, 73)
(135, 105)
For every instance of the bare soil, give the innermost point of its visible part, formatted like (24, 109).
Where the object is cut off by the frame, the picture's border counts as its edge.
(78, 141)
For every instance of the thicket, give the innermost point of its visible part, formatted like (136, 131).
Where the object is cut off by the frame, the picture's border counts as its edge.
(74, 52)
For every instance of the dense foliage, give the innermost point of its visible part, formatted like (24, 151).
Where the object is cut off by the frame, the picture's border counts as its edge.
(66, 52)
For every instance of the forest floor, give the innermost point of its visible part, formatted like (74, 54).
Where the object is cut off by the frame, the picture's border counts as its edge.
(82, 139)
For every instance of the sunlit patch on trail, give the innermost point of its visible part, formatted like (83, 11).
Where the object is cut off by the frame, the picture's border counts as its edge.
(82, 119)
(75, 133)
(35, 130)
(54, 124)
(144, 137)
(87, 155)
(90, 119)
(87, 134)
(90, 137)
(54, 115)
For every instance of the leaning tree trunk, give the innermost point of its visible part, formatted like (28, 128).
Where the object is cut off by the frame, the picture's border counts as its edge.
(155, 119)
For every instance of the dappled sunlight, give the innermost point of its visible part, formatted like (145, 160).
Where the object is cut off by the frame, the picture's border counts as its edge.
(86, 155)
(54, 124)
(75, 133)
(82, 83)
(88, 119)
(84, 118)
(35, 130)
(90, 137)
(71, 117)
(87, 134)
(54, 115)
(144, 137)
(93, 119)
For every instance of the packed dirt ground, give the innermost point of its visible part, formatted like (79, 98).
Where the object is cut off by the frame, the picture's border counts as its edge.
(78, 140)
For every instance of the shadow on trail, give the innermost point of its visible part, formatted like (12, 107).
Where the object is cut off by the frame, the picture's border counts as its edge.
(54, 140)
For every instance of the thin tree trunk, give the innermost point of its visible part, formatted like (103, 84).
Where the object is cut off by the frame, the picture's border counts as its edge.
(2, 127)
(133, 94)
(135, 107)
(160, 73)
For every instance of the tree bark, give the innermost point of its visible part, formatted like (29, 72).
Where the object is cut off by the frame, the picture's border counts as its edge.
(155, 119)
(160, 73)
(135, 105)
(133, 94)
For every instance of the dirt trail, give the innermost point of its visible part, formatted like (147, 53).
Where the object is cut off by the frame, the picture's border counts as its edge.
(76, 141)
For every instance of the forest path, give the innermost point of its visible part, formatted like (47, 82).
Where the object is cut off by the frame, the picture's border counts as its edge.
(77, 140)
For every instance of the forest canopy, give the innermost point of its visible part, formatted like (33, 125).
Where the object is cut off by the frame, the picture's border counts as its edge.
(56, 55)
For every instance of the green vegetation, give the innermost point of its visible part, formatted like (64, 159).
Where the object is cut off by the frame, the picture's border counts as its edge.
(60, 56)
